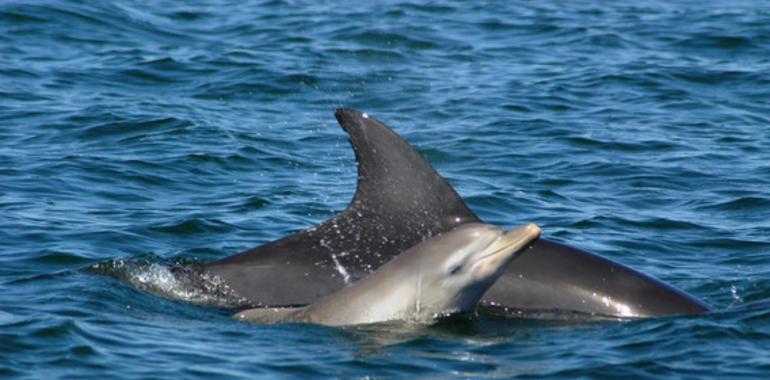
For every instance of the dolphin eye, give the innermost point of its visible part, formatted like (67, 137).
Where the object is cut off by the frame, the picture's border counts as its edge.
(455, 269)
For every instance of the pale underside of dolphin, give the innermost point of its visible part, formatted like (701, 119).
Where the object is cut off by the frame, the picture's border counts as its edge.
(441, 276)
(400, 201)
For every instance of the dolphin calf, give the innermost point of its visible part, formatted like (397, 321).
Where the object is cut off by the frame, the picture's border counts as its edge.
(444, 275)
(400, 201)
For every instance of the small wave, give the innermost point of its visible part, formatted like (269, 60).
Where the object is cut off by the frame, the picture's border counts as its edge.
(242, 90)
(743, 203)
(367, 53)
(7, 319)
(143, 77)
(381, 38)
(713, 77)
(729, 244)
(620, 146)
(193, 226)
(716, 42)
(130, 128)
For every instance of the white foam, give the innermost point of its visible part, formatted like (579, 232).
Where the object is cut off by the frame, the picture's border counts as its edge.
(195, 287)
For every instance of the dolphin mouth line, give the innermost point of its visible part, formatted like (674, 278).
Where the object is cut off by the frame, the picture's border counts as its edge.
(513, 238)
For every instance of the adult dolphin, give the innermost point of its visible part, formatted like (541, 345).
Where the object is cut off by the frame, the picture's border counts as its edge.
(400, 201)
(444, 275)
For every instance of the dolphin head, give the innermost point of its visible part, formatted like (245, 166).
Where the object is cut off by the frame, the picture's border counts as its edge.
(458, 267)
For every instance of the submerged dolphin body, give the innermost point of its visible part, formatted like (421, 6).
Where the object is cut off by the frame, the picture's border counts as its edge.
(444, 275)
(400, 201)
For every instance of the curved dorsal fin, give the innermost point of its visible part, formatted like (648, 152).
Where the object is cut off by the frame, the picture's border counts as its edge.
(394, 180)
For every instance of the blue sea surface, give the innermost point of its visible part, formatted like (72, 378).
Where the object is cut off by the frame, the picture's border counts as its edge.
(166, 132)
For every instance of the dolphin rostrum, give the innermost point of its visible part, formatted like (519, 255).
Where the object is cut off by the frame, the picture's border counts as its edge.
(444, 275)
(400, 201)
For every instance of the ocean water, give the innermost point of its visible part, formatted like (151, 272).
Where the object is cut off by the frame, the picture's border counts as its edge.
(171, 133)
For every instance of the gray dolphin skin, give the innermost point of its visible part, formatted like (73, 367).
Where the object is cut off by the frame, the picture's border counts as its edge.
(400, 201)
(444, 275)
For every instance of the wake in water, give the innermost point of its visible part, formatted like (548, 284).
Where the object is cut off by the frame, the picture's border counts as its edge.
(174, 280)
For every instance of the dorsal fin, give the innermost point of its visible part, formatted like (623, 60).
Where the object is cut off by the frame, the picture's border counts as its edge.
(394, 180)
(400, 201)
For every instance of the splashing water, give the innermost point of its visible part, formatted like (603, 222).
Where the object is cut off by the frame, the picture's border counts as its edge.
(174, 281)
(735, 296)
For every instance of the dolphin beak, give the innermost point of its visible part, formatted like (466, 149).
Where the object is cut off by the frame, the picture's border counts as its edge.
(509, 243)
(522, 234)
